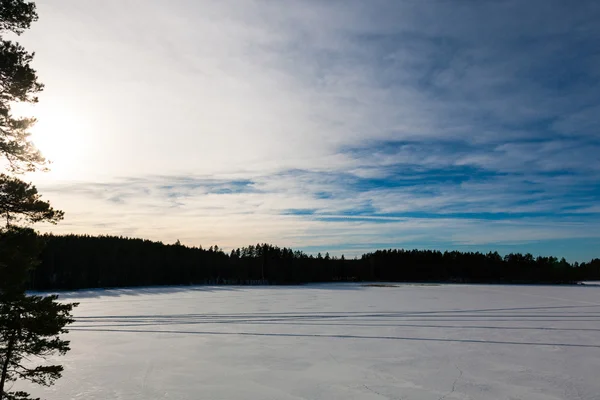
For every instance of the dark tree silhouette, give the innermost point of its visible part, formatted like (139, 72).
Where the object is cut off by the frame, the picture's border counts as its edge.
(21, 201)
(18, 83)
(83, 261)
(30, 326)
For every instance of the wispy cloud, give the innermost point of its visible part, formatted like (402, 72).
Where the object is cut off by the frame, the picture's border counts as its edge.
(327, 211)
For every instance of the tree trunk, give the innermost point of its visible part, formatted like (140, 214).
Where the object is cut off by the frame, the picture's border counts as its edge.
(9, 349)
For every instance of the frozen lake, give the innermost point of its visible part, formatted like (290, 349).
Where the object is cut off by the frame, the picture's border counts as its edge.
(325, 342)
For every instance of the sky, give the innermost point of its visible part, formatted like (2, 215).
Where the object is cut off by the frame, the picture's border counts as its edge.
(340, 126)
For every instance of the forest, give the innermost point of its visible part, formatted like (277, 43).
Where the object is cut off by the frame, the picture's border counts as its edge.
(80, 261)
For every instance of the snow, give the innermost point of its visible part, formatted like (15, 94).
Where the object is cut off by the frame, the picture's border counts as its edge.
(346, 341)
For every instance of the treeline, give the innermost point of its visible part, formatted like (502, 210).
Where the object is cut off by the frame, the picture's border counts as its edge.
(75, 262)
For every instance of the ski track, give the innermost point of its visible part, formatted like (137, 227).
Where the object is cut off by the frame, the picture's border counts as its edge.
(316, 342)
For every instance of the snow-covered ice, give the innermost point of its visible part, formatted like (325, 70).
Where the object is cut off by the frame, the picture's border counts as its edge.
(322, 342)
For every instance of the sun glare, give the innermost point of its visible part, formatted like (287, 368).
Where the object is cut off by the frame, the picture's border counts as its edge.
(59, 134)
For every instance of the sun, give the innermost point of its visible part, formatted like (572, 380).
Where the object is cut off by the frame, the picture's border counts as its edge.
(59, 134)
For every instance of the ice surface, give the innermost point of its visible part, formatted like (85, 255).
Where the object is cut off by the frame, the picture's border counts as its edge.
(345, 341)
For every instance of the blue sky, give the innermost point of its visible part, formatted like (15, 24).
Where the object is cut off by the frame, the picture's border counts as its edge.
(339, 126)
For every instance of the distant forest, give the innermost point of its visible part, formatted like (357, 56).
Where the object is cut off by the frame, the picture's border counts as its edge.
(77, 262)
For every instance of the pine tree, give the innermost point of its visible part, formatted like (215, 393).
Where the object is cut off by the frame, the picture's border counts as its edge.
(30, 326)
(18, 83)
(20, 201)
